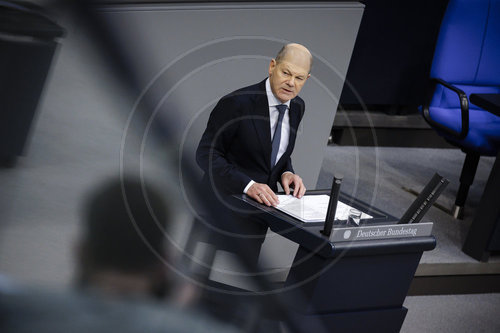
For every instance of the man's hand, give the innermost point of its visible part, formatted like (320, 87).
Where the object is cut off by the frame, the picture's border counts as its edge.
(263, 194)
(288, 179)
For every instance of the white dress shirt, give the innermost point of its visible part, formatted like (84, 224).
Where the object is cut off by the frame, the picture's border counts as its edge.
(273, 117)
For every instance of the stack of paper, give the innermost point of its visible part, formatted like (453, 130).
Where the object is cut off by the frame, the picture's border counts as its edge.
(313, 208)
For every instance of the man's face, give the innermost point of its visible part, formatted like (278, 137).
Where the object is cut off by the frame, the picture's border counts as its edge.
(288, 76)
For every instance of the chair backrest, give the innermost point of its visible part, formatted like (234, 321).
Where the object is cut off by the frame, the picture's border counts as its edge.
(468, 47)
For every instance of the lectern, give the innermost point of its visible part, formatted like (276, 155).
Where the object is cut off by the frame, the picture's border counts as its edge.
(357, 286)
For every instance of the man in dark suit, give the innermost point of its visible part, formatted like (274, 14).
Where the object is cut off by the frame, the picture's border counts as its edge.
(250, 136)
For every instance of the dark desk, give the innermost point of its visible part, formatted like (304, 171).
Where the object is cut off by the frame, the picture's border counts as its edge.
(484, 232)
(308, 234)
(350, 286)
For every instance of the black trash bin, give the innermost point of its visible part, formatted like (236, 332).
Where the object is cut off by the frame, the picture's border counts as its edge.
(28, 40)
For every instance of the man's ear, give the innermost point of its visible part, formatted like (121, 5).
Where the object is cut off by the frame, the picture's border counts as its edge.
(272, 65)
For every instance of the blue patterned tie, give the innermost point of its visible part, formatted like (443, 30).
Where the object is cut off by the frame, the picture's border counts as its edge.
(277, 134)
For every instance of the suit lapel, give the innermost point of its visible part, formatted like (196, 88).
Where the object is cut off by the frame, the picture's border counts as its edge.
(295, 115)
(261, 121)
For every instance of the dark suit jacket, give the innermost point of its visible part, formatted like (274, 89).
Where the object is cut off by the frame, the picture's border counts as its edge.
(236, 145)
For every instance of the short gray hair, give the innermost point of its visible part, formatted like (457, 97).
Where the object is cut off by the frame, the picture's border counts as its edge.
(284, 51)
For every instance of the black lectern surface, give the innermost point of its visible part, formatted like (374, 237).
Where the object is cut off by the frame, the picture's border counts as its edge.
(308, 234)
(357, 286)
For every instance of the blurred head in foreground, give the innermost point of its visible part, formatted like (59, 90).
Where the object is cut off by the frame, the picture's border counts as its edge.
(122, 250)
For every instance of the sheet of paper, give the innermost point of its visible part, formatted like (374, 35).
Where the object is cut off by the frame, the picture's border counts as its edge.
(313, 208)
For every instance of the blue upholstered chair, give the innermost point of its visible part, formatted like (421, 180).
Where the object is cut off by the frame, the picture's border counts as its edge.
(466, 61)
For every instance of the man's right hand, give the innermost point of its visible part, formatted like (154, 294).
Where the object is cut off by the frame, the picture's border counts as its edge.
(263, 194)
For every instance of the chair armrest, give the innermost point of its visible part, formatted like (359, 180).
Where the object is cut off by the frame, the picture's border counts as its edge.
(464, 107)
(489, 102)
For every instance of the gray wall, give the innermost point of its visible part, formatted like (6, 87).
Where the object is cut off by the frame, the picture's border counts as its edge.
(77, 137)
(191, 55)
